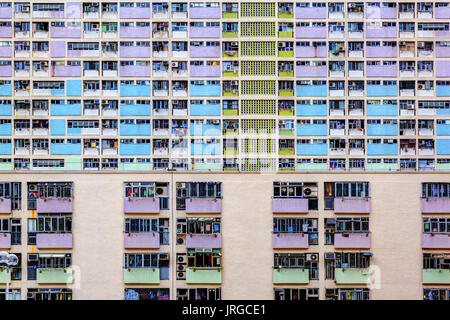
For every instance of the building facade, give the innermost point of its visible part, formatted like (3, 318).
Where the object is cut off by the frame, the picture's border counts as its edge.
(266, 150)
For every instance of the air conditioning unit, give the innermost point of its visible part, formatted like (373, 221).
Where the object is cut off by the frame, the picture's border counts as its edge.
(181, 268)
(181, 239)
(310, 191)
(181, 275)
(217, 121)
(163, 256)
(31, 296)
(329, 256)
(161, 191)
(420, 44)
(312, 257)
(181, 258)
(32, 187)
(174, 64)
(181, 185)
(33, 257)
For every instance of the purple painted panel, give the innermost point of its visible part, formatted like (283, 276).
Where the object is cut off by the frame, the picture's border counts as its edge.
(381, 32)
(5, 71)
(442, 68)
(54, 240)
(203, 205)
(204, 13)
(296, 205)
(5, 51)
(204, 52)
(6, 32)
(381, 13)
(311, 13)
(141, 205)
(290, 241)
(205, 71)
(134, 13)
(49, 205)
(147, 240)
(137, 71)
(381, 52)
(351, 205)
(208, 241)
(135, 52)
(5, 240)
(65, 32)
(5, 205)
(135, 32)
(381, 71)
(311, 52)
(57, 14)
(311, 71)
(73, 10)
(352, 240)
(442, 33)
(204, 32)
(436, 205)
(66, 71)
(74, 53)
(310, 32)
(442, 13)
(436, 241)
(442, 52)
(5, 13)
(58, 49)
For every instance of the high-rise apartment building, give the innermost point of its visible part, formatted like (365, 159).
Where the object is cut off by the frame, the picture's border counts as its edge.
(225, 150)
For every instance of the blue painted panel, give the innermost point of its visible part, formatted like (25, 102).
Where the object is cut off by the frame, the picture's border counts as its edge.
(312, 130)
(57, 92)
(135, 129)
(65, 148)
(382, 149)
(311, 91)
(312, 110)
(443, 112)
(443, 91)
(133, 90)
(205, 149)
(134, 109)
(382, 91)
(5, 110)
(382, 129)
(312, 149)
(205, 109)
(443, 129)
(73, 88)
(204, 91)
(382, 110)
(72, 131)
(442, 146)
(5, 90)
(128, 149)
(65, 109)
(57, 127)
(5, 148)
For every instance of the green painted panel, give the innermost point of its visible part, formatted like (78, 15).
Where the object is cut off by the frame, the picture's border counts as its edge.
(443, 166)
(4, 277)
(382, 167)
(230, 112)
(141, 166)
(312, 167)
(207, 166)
(291, 276)
(230, 15)
(286, 54)
(351, 276)
(200, 276)
(6, 166)
(141, 275)
(54, 275)
(229, 34)
(436, 276)
(73, 164)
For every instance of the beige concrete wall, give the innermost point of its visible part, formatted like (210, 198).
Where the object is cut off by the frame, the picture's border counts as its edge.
(98, 219)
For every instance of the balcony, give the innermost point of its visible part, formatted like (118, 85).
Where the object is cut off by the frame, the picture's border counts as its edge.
(290, 241)
(5, 205)
(204, 241)
(141, 205)
(203, 205)
(54, 275)
(351, 205)
(436, 241)
(291, 276)
(435, 205)
(5, 240)
(203, 276)
(352, 240)
(436, 276)
(290, 205)
(141, 275)
(54, 240)
(352, 276)
(53, 205)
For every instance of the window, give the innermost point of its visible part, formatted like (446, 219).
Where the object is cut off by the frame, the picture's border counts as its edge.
(435, 190)
(147, 294)
(204, 258)
(301, 294)
(436, 225)
(308, 261)
(199, 294)
(297, 225)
